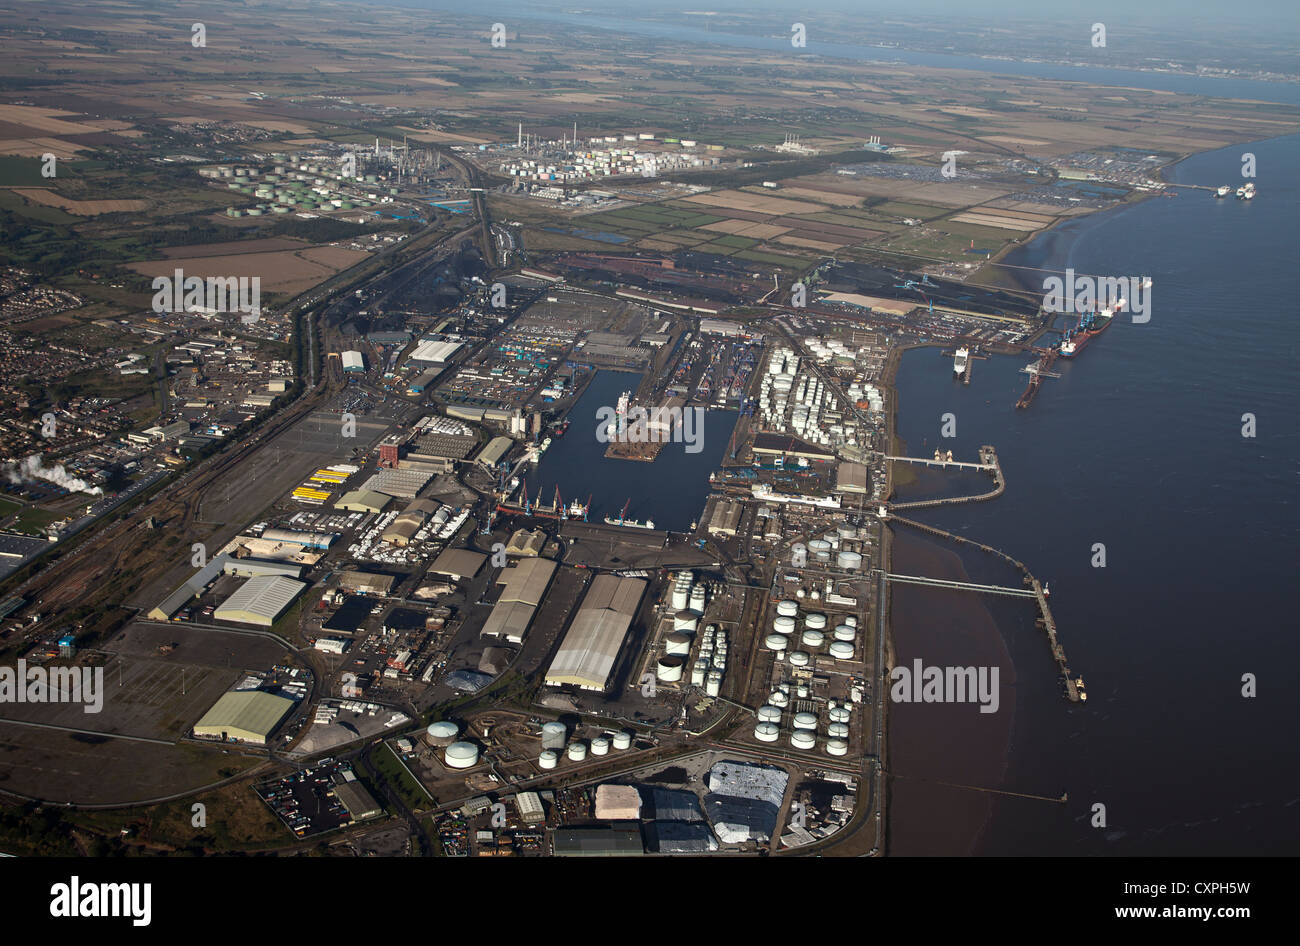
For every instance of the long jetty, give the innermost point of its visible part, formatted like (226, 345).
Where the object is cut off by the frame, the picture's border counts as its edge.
(1045, 619)
(988, 462)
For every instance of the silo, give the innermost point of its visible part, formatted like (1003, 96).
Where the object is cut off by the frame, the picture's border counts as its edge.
(813, 639)
(799, 555)
(767, 732)
(787, 608)
(600, 746)
(805, 721)
(554, 735)
(800, 658)
(775, 642)
(548, 759)
(669, 669)
(577, 751)
(622, 739)
(461, 755)
(837, 747)
(803, 739)
(842, 650)
(768, 713)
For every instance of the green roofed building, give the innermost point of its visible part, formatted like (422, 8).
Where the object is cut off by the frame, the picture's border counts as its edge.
(243, 716)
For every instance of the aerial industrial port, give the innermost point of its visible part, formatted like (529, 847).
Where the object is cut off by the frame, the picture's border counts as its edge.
(545, 502)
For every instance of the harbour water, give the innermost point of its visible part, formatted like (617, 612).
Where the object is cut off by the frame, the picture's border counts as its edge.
(1139, 447)
(671, 490)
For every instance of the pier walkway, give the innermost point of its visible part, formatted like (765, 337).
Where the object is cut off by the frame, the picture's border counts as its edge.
(961, 585)
(988, 462)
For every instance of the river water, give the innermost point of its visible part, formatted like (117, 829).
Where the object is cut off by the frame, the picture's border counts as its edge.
(1139, 446)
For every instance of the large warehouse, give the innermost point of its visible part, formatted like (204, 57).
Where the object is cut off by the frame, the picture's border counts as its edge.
(590, 647)
(525, 586)
(260, 600)
(243, 716)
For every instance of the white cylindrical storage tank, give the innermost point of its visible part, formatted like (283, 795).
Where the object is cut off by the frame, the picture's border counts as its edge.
(600, 746)
(713, 683)
(783, 624)
(697, 598)
(845, 632)
(461, 755)
(698, 671)
(767, 713)
(839, 714)
(838, 731)
(800, 658)
(778, 699)
(677, 644)
(851, 621)
(669, 669)
(622, 739)
(686, 621)
(787, 608)
(577, 751)
(847, 531)
(849, 561)
(442, 733)
(799, 555)
(681, 596)
(767, 732)
(837, 747)
(548, 759)
(842, 650)
(805, 721)
(814, 638)
(803, 739)
(815, 621)
(553, 735)
(801, 692)
(775, 642)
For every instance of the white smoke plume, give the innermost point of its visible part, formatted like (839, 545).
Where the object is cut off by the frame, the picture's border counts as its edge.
(32, 468)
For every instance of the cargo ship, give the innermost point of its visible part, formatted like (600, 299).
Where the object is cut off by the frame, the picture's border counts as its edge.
(622, 520)
(1091, 324)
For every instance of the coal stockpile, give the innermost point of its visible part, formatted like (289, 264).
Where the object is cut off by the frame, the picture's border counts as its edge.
(914, 287)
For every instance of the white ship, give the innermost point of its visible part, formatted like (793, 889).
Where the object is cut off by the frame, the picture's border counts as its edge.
(1246, 191)
(1223, 191)
(630, 523)
(960, 361)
